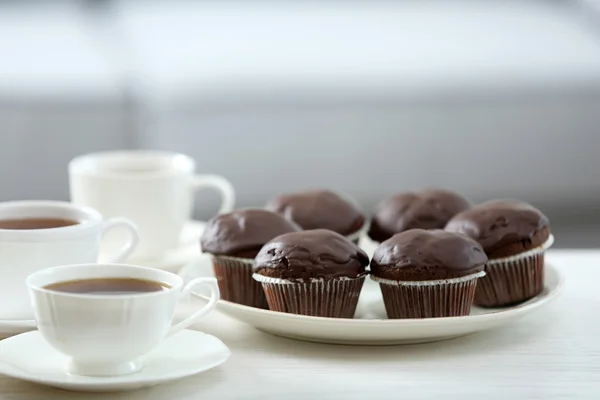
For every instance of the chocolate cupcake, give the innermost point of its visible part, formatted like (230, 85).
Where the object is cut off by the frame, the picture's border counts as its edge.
(321, 209)
(426, 209)
(428, 273)
(316, 272)
(233, 240)
(515, 236)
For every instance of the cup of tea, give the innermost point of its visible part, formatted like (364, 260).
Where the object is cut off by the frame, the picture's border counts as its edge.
(155, 189)
(106, 317)
(40, 234)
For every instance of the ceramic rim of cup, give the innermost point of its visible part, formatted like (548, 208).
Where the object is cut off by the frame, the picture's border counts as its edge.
(89, 220)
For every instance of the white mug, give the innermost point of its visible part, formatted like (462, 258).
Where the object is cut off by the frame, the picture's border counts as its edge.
(108, 334)
(153, 188)
(24, 251)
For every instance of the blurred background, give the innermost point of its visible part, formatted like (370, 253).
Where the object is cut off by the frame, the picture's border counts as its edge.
(493, 98)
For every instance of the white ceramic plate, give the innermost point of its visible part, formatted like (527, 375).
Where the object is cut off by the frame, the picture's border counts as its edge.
(13, 327)
(30, 358)
(370, 326)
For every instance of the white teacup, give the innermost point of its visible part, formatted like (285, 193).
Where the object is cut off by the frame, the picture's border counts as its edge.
(24, 251)
(108, 334)
(153, 188)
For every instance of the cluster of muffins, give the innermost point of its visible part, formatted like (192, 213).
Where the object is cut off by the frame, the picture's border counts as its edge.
(297, 255)
(437, 254)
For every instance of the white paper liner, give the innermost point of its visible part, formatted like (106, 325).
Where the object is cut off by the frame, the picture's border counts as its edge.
(332, 298)
(279, 281)
(465, 278)
(523, 255)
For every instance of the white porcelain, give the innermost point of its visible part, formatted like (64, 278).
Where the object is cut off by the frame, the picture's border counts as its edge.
(187, 251)
(14, 327)
(153, 188)
(30, 358)
(370, 326)
(23, 252)
(105, 335)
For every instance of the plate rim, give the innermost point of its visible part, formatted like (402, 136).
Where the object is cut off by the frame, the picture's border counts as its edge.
(18, 323)
(412, 322)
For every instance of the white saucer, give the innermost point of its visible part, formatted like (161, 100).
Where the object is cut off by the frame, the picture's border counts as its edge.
(370, 326)
(28, 357)
(14, 327)
(188, 250)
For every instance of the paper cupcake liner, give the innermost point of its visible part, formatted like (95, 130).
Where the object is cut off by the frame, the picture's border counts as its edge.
(234, 277)
(428, 299)
(428, 283)
(333, 298)
(513, 279)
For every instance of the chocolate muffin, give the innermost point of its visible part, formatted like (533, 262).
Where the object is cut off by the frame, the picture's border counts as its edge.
(315, 272)
(428, 273)
(321, 209)
(233, 240)
(426, 209)
(515, 236)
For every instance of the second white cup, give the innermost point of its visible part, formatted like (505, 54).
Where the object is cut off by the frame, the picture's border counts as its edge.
(26, 249)
(153, 188)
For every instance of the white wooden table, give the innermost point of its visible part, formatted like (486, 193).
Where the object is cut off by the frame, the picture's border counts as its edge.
(553, 354)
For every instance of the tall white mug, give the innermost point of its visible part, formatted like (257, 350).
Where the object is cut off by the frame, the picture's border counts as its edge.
(25, 251)
(155, 189)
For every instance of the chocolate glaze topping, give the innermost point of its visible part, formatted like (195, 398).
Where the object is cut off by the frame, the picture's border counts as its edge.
(309, 254)
(242, 233)
(427, 209)
(500, 223)
(319, 209)
(421, 255)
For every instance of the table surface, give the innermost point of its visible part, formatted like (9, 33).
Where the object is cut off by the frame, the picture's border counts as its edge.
(551, 354)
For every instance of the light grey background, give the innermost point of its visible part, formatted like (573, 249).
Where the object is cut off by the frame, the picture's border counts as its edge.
(506, 116)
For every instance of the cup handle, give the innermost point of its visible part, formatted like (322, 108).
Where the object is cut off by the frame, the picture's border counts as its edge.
(214, 297)
(221, 185)
(129, 246)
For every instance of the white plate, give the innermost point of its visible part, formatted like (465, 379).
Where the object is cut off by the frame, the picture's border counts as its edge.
(14, 327)
(370, 326)
(173, 260)
(30, 358)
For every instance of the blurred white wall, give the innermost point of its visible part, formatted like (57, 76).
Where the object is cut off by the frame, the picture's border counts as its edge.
(231, 50)
(495, 98)
(544, 151)
(60, 95)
